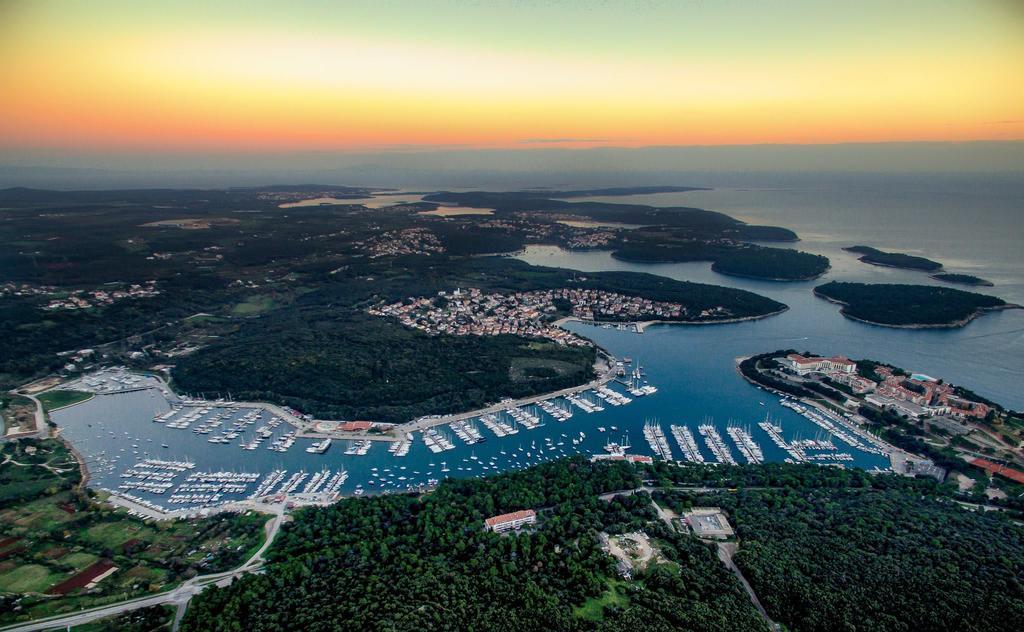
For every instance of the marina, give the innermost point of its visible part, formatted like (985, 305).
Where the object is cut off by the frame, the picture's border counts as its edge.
(656, 439)
(688, 445)
(715, 443)
(126, 425)
(746, 445)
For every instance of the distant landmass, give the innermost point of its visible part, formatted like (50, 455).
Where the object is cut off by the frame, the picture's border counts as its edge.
(894, 259)
(962, 279)
(702, 223)
(620, 191)
(745, 260)
(911, 306)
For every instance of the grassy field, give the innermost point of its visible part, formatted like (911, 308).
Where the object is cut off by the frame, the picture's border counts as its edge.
(254, 305)
(79, 560)
(593, 609)
(27, 578)
(50, 531)
(59, 399)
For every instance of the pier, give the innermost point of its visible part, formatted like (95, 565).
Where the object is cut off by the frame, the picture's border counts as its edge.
(429, 422)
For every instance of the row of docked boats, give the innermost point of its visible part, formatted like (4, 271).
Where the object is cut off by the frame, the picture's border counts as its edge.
(836, 426)
(716, 444)
(610, 396)
(557, 411)
(688, 445)
(497, 426)
(436, 441)
(745, 443)
(466, 430)
(527, 418)
(586, 405)
(774, 432)
(401, 447)
(656, 439)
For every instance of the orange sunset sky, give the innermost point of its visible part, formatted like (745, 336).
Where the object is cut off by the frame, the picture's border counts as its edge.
(295, 76)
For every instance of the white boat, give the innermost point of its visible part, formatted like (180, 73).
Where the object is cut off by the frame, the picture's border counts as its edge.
(319, 447)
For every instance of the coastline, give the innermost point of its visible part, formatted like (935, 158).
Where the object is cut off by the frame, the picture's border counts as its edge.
(53, 410)
(83, 469)
(641, 325)
(889, 265)
(772, 279)
(890, 449)
(864, 257)
(430, 421)
(979, 283)
(722, 272)
(950, 325)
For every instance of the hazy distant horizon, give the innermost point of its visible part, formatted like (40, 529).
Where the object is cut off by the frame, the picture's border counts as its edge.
(455, 167)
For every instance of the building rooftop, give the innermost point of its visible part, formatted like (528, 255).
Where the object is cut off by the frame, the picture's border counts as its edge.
(509, 517)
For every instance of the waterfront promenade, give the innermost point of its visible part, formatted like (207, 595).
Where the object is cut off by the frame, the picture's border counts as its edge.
(607, 374)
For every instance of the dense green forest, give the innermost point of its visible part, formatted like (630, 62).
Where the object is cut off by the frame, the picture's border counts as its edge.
(875, 559)
(209, 252)
(824, 548)
(323, 356)
(775, 264)
(962, 279)
(894, 259)
(355, 366)
(407, 563)
(667, 244)
(756, 262)
(907, 305)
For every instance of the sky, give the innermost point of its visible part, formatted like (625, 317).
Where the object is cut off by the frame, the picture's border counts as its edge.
(109, 79)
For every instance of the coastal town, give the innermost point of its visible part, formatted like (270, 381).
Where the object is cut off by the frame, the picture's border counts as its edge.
(942, 424)
(916, 395)
(475, 313)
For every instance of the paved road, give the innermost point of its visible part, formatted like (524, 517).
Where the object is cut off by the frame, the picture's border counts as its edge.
(725, 551)
(179, 597)
(41, 428)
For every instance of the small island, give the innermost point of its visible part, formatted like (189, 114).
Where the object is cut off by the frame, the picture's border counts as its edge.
(727, 256)
(962, 279)
(909, 306)
(894, 259)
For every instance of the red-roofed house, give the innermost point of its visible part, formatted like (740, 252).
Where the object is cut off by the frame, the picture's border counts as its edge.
(995, 468)
(804, 365)
(513, 520)
(355, 426)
